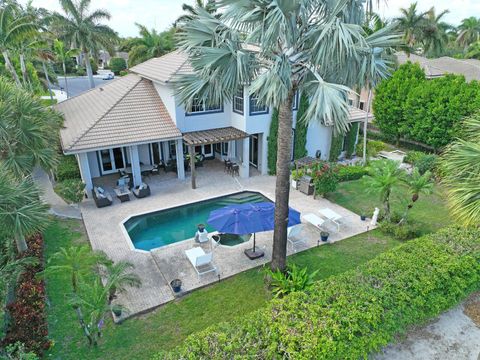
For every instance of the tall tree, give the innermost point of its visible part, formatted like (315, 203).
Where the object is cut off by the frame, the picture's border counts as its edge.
(461, 173)
(312, 46)
(82, 28)
(411, 23)
(191, 11)
(63, 55)
(150, 44)
(469, 31)
(435, 32)
(417, 184)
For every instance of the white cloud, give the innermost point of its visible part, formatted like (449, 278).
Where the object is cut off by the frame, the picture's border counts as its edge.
(160, 14)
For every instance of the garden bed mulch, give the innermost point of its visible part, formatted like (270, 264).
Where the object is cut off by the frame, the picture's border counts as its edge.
(472, 308)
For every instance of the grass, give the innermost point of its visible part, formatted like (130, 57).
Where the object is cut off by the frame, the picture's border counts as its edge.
(169, 325)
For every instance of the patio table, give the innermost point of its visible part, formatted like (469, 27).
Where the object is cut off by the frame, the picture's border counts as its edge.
(143, 169)
(123, 194)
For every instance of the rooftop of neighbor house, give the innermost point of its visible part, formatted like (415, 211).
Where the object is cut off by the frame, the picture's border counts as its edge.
(125, 111)
(470, 68)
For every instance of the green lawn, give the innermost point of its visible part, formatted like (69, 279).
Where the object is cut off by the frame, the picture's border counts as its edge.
(170, 324)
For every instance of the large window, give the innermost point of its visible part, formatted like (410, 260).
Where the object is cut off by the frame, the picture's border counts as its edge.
(255, 107)
(238, 101)
(202, 107)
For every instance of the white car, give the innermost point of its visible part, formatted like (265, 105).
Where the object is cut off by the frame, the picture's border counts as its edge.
(108, 76)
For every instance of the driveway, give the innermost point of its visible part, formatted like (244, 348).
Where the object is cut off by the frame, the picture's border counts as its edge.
(79, 84)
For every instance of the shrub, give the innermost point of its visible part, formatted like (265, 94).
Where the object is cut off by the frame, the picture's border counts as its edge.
(117, 64)
(325, 179)
(373, 147)
(413, 156)
(353, 314)
(350, 139)
(272, 144)
(123, 73)
(301, 129)
(352, 172)
(297, 174)
(71, 190)
(335, 148)
(426, 163)
(67, 168)
(294, 279)
(17, 351)
(403, 232)
(94, 65)
(81, 71)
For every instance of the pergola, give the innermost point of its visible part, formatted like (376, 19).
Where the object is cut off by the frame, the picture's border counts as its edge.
(206, 137)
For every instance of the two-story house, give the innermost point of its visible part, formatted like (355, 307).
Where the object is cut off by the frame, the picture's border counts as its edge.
(137, 120)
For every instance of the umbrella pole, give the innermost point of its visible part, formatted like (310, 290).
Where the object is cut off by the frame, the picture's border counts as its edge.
(253, 254)
(254, 241)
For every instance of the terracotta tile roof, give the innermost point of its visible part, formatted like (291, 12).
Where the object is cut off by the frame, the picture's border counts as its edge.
(125, 111)
(213, 136)
(165, 67)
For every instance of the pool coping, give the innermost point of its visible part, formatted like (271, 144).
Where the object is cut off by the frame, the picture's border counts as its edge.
(130, 242)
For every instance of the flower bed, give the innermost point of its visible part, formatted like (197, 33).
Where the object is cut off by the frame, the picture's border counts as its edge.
(29, 319)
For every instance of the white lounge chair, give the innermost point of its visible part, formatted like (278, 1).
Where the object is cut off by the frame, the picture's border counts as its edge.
(293, 236)
(201, 261)
(332, 216)
(314, 220)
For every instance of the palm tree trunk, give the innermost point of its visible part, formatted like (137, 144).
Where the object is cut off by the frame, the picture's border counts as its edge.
(11, 68)
(365, 126)
(48, 81)
(65, 77)
(88, 66)
(24, 70)
(21, 243)
(282, 186)
(84, 326)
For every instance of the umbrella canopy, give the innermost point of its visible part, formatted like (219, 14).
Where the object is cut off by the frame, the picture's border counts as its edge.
(248, 218)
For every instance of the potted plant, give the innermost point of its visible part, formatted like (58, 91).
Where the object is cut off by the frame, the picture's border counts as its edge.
(117, 310)
(324, 236)
(201, 227)
(176, 285)
(363, 217)
(296, 176)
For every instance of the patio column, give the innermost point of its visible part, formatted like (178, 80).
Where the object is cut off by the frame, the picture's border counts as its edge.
(191, 151)
(180, 159)
(166, 151)
(84, 166)
(245, 168)
(136, 171)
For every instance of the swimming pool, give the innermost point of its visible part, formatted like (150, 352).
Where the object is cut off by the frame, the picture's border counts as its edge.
(164, 227)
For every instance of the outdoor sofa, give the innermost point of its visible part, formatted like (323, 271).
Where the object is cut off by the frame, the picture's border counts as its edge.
(101, 197)
(141, 191)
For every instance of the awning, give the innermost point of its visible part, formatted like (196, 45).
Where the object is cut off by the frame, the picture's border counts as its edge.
(213, 136)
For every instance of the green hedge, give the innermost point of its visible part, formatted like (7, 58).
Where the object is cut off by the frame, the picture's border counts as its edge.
(335, 148)
(67, 168)
(351, 315)
(117, 64)
(272, 144)
(71, 190)
(351, 172)
(301, 129)
(350, 140)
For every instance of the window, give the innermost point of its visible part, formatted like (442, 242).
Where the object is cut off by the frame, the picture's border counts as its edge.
(255, 107)
(295, 101)
(173, 149)
(350, 102)
(201, 107)
(238, 101)
(362, 105)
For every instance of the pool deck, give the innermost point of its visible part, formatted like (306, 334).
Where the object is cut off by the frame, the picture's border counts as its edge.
(158, 267)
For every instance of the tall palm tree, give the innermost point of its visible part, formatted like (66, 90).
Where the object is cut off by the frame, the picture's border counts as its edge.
(13, 25)
(383, 176)
(417, 184)
(461, 174)
(411, 23)
(22, 212)
(81, 28)
(435, 32)
(28, 131)
(62, 55)
(119, 276)
(150, 44)
(191, 11)
(311, 46)
(469, 31)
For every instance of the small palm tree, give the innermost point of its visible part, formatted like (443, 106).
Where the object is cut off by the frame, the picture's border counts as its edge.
(77, 261)
(383, 176)
(118, 277)
(82, 29)
(411, 24)
(469, 31)
(150, 44)
(460, 166)
(191, 11)
(316, 47)
(62, 55)
(417, 184)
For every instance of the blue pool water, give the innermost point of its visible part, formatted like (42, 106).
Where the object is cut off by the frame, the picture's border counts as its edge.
(160, 228)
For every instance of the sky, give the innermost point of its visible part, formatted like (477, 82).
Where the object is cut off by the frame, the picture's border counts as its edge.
(160, 14)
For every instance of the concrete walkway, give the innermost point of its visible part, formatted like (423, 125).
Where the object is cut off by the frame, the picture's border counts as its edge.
(58, 206)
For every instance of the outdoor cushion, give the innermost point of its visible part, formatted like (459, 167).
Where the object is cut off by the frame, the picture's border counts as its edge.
(100, 190)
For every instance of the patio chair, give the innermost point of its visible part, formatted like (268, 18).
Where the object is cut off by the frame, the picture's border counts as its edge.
(235, 169)
(169, 166)
(314, 220)
(199, 159)
(141, 191)
(101, 197)
(156, 169)
(201, 261)
(331, 216)
(294, 237)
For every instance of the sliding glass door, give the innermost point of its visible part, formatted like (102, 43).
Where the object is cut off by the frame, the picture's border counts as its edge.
(254, 150)
(111, 160)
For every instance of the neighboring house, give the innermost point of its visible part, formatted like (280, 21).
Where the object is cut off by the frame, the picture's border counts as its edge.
(137, 119)
(104, 58)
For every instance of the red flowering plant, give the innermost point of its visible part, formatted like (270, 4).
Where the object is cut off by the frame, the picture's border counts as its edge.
(325, 178)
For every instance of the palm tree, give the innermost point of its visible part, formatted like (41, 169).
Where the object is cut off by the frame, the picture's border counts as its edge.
(119, 276)
(417, 184)
(469, 31)
(411, 23)
(28, 131)
(82, 29)
(461, 174)
(383, 176)
(191, 11)
(435, 32)
(473, 51)
(62, 55)
(13, 26)
(22, 212)
(77, 261)
(298, 45)
(151, 44)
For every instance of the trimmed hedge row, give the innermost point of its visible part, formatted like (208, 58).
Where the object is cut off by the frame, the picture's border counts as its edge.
(351, 172)
(356, 313)
(67, 168)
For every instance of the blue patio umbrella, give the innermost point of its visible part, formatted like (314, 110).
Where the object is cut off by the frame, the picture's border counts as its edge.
(248, 218)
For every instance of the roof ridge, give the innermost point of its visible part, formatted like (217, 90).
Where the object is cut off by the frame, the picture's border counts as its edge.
(81, 136)
(177, 70)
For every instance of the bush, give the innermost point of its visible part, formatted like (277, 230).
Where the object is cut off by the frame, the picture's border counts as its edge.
(426, 163)
(335, 148)
(353, 314)
(81, 71)
(325, 179)
(272, 144)
(350, 139)
(94, 65)
(294, 279)
(117, 64)
(406, 231)
(413, 156)
(71, 190)
(373, 147)
(352, 172)
(67, 168)
(123, 73)
(297, 174)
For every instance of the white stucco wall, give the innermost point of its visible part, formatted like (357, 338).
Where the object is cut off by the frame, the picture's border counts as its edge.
(93, 164)
(166, 94)
(319, 137)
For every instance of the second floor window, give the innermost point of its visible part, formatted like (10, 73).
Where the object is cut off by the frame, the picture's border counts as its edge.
(238, 101)
(255, 107)
(201, 106)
